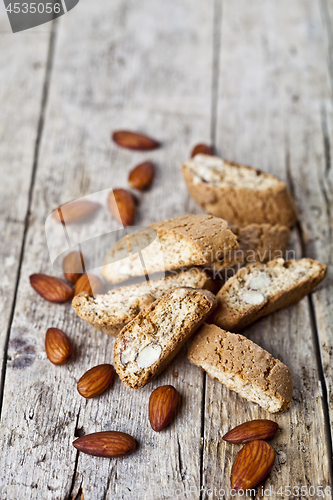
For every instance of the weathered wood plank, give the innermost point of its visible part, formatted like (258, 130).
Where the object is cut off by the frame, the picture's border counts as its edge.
(273, 105)
(22, 75)
(119, 64)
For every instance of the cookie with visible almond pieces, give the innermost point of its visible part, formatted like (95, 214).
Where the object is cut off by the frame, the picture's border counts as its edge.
(243, 367)
(146, 346)
(261, 289)
(190, 240)
(238, 193)
(111, 311)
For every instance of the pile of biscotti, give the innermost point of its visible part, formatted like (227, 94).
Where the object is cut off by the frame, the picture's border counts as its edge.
(152, 319)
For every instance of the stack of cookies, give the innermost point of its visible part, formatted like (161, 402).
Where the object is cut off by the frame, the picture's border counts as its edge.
(183, 262)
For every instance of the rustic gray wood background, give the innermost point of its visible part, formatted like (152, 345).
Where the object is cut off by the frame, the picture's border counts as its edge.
(254, 78)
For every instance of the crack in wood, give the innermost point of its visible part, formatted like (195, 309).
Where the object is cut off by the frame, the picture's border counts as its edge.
(108, 483)
(180, 461)
(70, 494)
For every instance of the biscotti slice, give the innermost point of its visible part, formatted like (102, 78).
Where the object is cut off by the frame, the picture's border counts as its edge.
(238, 193)
(147, 344)
(260, 289)
(243, 367)
(257, 243)
(112, 311)
(191, 240)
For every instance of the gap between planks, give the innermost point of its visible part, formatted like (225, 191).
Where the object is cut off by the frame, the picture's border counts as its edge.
(40, 127)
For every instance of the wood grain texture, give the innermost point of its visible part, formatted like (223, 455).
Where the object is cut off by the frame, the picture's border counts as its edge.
(116, 65)
(274, 110)
(22, 75)
(148, 66)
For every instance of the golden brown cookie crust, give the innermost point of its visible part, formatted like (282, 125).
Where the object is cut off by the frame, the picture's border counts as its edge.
(243, 367)
(238, 203)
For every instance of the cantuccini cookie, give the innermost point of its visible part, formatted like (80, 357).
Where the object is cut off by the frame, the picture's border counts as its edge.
(150, 341)
(191, 240)
(243, 367)
(260, 289)
(110, 312)
(257, 243)
(238, 193)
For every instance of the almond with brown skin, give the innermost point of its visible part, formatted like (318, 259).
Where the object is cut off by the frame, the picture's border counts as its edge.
(133, 140)
(251, 431)
(89, 283)
(122, 206)
(252, 464)
(202, 149)
(73, 266)
(51, 288)
(106, 444)
(163, 402)
(95, 381)
(142, 176)
(58, 347)
(75, 211)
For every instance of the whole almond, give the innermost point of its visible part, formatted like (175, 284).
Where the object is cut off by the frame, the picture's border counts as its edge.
(51, 288)
(73, 266)
(202, 149)
(95, 381)
(142, 176)
(89, 283)
(58, 347)
(251, 431)
(252, 464)
(75, 211)
(106, 444)
(133, 140)
(163, 402)
(122, 206)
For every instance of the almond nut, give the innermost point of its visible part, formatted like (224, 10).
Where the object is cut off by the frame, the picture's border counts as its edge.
(95, 381)
(251, 431)
(252, 297)
(75, 211)
(133, 140)
(260, 282)
(122, 206)
(58, 347)
(149, 355)
(252, 464)
(202, 149)
(73, 266)
(106, 444)
(51, 288)
(142, 176)
(89, 283)
(162, 405)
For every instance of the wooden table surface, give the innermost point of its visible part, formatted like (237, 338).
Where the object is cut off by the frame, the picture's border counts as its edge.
(256, 79)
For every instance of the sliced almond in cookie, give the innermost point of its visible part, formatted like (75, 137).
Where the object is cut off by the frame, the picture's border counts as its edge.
(149, 355)
(147, 345)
